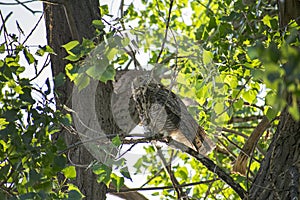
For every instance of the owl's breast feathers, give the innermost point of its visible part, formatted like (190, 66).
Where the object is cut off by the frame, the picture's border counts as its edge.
(163, 112)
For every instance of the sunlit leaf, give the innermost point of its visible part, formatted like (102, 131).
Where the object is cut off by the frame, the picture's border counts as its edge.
(207, 57)
(70, 45)
(69, 172)
(29, 57)
(117, 181)
(116, 141)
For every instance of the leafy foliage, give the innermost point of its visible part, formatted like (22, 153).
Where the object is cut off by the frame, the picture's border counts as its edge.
(29, 124)
(230, 57)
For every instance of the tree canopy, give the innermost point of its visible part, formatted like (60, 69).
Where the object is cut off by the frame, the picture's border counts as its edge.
(235, 63)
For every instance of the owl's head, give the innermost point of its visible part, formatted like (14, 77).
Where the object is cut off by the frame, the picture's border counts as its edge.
(141, 81)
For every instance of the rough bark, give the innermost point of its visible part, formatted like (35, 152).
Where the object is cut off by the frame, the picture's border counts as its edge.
(288, 10)
(61, 30)
(278, 177)
(58, 33)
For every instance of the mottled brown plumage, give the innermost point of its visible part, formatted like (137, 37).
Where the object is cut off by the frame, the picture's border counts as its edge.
(160, 110)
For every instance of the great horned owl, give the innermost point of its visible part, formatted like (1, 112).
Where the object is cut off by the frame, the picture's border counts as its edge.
(160, 110)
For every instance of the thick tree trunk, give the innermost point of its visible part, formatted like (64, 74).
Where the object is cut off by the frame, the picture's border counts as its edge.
(80, 16)
(61, 30)
(278, 177)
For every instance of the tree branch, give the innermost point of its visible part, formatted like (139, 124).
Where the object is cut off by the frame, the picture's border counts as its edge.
(33, 29)
(167, 166)
(244, 119)
(166, 31)
(133, 194)
(241, 162)
(122, 190)
(204, 160)
(213, 168)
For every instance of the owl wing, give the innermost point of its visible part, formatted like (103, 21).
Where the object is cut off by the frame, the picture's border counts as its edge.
(183, 127)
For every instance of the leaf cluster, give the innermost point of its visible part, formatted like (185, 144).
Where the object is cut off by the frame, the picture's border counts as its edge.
(30, 165)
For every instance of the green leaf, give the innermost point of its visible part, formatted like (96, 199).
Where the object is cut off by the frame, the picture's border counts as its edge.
(294, 109)
(249, 96)
(66, 119)
(59, 163)
(111, 53)
(71, 71)
(116, 141)
(98, 24)
(29, 57)
(18, 89)
(207, 57)
(231, 80)
(74, 192)
(74, 195)
(271, 113)
(104, 9)
(45, 186)
(219, 107)
(2, 48)
(69, 172)
(44, 49)
(117, 181)
(82, 81)
(103, 173)
(212, 23)
(10, 115)
(72, 57)
(70, 45)
(238, 104)
(124, 171)
(138, 164)
(182, 172)
(34, 176)
(2, 142)
(266, 20)
(3, 123)
(108, 74)
(97, 68)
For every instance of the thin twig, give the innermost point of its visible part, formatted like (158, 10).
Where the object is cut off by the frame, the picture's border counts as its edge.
(166, 31)
(153, 177)
(25, 6)
(160, 188)
(46, 63)
(167, 166)
(34, 28)
(234, 132)
(244, 119)
(233, 156)
(13, 4)
(129, 149)
(205, 6)
(5, 33)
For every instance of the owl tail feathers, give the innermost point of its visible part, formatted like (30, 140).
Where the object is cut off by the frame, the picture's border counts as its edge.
(203, 143)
